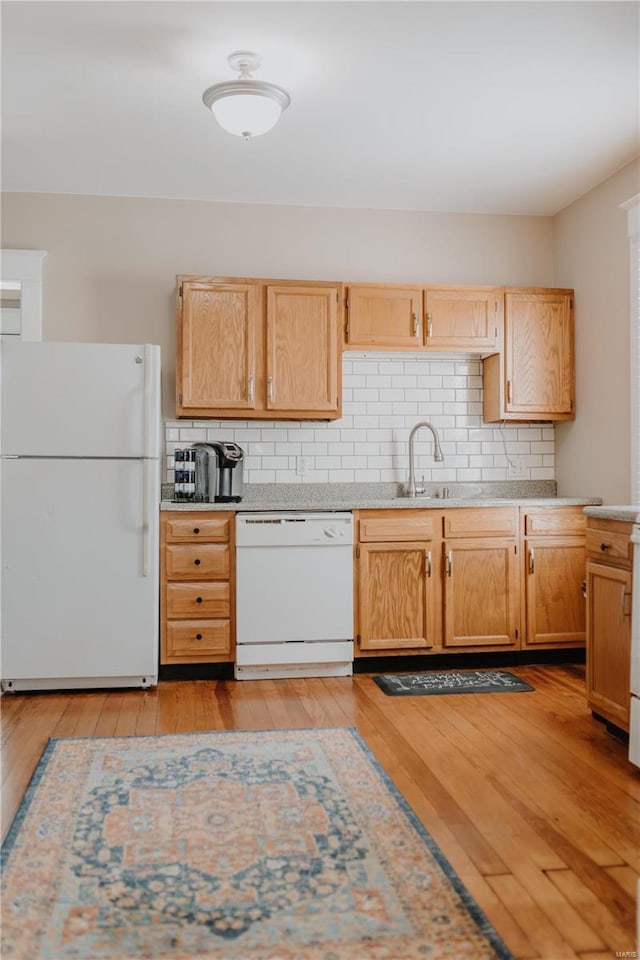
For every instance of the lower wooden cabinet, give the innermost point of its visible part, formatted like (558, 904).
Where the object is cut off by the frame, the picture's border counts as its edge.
(469, 578)
(481, 593)
(196, 587)
(609, 594)
(397, 582)
(553, 572)
(481, 588)
(397, 597)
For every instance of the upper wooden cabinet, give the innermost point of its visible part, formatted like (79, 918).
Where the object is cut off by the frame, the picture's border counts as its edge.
(463, 318)
(384, 317)
(303, 354)
(258, 349)
(216, 346)
(393, 317)
(532, 378)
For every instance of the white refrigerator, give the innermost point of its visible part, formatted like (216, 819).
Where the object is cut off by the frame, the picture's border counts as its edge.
(79, 496)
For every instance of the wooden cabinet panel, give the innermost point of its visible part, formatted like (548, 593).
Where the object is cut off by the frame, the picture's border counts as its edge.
(555, 608)
(384, 317)
(193, 640)
(481, 597)
(302, 348)
(533, 377)
(208, 599)
(215, 349)
(463, 318)
(609, 641)
(404, 525)
(179, 530)
(481, 522)
(556, 521)
(396, 599)
(188, 561)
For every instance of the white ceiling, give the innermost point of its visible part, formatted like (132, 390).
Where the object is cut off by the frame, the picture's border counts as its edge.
(505, 107)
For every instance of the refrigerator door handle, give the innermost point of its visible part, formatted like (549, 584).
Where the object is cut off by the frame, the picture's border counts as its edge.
(147, 506)
(148, 400)
(148, 503)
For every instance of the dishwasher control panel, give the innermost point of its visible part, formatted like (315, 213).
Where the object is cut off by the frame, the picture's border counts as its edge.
(291, 529)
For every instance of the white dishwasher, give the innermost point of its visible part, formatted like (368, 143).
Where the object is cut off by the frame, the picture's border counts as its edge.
(294, 595)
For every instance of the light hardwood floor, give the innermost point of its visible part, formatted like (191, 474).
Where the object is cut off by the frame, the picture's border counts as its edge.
(534, 804)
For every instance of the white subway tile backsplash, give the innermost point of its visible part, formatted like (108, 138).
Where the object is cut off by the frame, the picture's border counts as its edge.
(384, 396)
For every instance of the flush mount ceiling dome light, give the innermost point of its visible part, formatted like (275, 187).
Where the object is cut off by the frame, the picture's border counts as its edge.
(246, 107)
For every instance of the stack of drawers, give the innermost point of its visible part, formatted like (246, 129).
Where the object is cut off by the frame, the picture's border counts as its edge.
(196, 594)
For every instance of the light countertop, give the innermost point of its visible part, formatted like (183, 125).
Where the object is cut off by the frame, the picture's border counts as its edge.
(260, 498)
(629, 513)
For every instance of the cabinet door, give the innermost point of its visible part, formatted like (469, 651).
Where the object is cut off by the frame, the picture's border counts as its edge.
(396, 598)
(481, 598)
(538, 353)
(463, 318)
(555, 608)
(609, 642)
(215, 349)
(303, 355)
(384, 317)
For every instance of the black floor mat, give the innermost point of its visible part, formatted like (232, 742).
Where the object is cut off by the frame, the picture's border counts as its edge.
(458, 681)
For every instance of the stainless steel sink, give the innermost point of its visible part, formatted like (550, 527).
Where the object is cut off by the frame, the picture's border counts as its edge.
(459, 491)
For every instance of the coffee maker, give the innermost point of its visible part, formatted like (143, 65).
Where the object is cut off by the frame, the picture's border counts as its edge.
(230, 459)
(219, 469)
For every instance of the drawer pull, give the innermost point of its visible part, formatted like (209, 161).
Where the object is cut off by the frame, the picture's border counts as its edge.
(197, 563)
(605, 546)
(198, 599)
(198, 636)
(196, 529)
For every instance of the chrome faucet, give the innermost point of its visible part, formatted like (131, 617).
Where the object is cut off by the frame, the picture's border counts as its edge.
(437, 454)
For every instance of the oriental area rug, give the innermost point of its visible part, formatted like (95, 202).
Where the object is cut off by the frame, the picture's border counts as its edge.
(454, 681)
(266, 845)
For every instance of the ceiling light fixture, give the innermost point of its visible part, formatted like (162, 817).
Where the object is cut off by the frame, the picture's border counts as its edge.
(246, 107)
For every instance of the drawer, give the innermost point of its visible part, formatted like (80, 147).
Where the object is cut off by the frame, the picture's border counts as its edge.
(611, 546)
(194, 527)
(197, 561)
(194, 638)
(210, 599)
(403, 526)
(481, 522)
(554, 521)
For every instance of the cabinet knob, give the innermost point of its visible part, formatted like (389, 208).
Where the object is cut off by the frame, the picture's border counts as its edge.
(197, 563)
(198, 599)
(198, 636)
(605, 546)
(196, 529)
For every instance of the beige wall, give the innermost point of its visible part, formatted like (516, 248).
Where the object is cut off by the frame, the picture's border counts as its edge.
(111, 265)
(591, 255)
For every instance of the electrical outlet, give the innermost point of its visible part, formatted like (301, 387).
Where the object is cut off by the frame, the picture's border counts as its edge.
(302, 466)
(516, 469)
